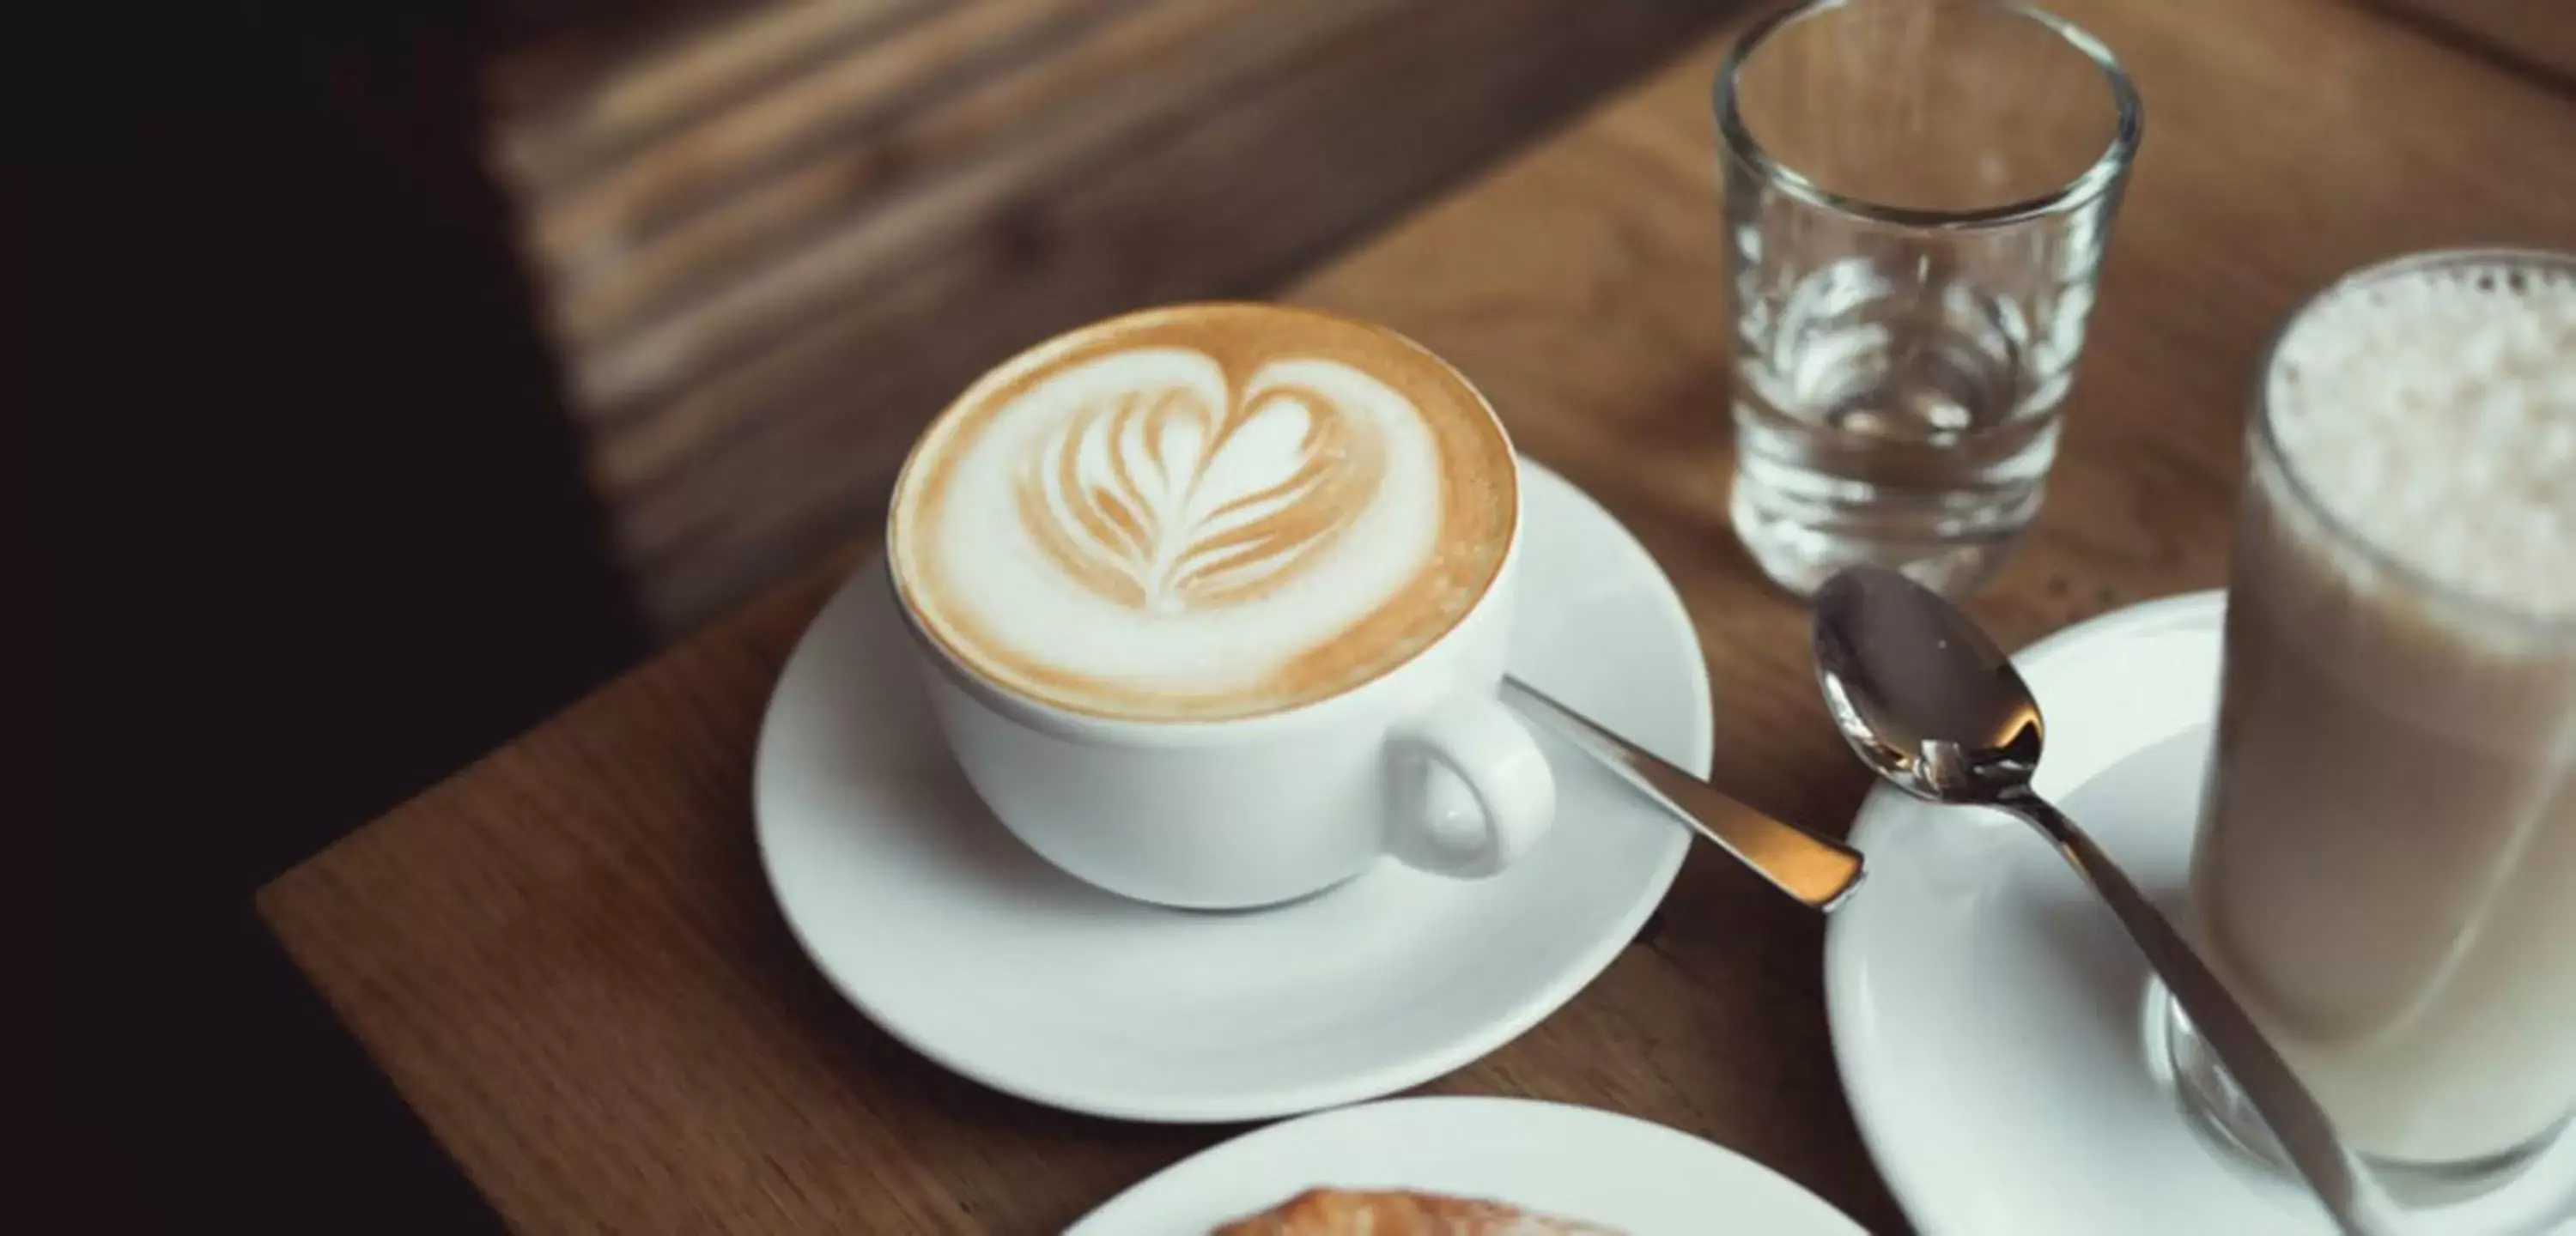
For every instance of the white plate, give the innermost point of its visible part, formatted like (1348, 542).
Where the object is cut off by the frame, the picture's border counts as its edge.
(944, 930)
(1573, 1162)
(1991, 1019)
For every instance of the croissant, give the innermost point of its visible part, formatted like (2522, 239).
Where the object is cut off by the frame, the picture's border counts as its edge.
(1345, 1212)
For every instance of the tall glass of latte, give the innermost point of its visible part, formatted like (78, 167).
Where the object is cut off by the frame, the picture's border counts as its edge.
(2386, 867)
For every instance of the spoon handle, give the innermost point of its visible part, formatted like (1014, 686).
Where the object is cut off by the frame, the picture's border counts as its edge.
(1815, 870)
(2278, 1096)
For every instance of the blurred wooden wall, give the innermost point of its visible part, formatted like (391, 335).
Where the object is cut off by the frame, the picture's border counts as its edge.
(773, 239)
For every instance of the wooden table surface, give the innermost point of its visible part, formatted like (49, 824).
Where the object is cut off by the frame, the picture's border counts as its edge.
(565, 957)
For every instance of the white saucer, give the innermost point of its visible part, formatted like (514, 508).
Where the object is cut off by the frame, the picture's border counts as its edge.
(1573, 1162)
(957, 940)
(1990, 1017)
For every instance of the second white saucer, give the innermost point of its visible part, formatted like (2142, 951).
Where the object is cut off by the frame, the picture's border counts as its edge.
(944, 930)
(1992, 1021)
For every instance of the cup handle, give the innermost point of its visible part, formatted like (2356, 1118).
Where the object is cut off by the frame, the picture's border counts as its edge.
(1468, 769)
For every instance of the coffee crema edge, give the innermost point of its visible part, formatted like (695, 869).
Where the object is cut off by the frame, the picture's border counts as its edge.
(1237, 337)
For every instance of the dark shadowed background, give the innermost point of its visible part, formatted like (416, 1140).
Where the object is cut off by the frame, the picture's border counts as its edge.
(396, 372)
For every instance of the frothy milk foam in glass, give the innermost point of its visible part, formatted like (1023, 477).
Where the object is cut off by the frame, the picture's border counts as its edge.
(1204, 512)
(2386, 871)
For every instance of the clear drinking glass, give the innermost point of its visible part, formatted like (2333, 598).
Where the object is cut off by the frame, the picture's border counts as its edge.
(1917, 197)
(2385, 873)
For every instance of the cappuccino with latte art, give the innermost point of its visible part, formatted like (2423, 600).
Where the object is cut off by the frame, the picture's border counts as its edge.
(1212, 602)
(1203, 512)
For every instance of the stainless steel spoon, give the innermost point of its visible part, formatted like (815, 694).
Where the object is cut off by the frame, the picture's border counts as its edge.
(1817, 871)
(1930, 704)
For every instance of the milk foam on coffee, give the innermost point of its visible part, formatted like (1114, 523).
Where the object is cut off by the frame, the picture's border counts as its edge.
(2386, 872)
(1203, 512)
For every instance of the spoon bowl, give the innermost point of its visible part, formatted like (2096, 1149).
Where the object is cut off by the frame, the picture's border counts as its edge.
(1921, 694)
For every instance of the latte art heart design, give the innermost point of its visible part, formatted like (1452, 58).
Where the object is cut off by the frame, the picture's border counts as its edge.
(1159, 500)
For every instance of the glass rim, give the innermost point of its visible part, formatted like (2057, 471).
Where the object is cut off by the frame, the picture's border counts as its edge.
(2094, 182)
(2379, 558)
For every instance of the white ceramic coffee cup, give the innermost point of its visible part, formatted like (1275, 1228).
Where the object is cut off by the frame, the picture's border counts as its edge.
(1421, 763)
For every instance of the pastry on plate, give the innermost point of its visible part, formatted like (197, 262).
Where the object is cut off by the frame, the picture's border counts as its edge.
(1352, 1212)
